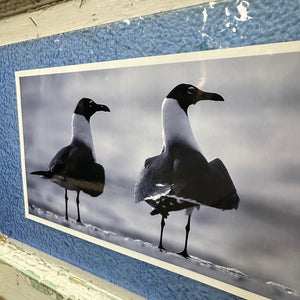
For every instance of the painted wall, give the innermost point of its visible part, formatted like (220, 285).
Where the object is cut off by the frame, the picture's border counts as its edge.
(203, 27)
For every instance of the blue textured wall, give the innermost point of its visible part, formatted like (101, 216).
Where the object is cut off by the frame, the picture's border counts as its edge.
(178, 31)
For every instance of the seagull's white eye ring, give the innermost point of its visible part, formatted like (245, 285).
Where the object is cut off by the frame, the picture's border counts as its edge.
(191, 90)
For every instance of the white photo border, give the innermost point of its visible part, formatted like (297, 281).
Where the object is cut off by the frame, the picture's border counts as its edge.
(266, 49)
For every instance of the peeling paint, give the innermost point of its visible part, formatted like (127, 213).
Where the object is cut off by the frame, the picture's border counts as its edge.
(212, 3)
(227, 12)
(49, 284)
(41, 288)
(2, 238)
(50, 279)
(205, 15)
(243, 11)
(32, 274)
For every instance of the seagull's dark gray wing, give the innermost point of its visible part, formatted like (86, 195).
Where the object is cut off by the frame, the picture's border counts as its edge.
(201, 182)
(58, 162)
(75, 165)
(154, 180)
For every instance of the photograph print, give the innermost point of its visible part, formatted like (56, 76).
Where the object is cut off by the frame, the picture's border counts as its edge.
(191, 160)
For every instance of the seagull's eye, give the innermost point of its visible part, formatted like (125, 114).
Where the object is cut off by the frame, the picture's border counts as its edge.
(191, 90)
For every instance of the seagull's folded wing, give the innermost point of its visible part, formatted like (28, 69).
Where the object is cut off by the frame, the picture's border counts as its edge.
(207, 183)
(153, 180)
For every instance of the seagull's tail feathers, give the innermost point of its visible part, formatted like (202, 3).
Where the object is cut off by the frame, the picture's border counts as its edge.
(45, 174)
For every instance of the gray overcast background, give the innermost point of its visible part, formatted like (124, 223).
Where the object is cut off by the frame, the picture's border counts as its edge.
(255, 132)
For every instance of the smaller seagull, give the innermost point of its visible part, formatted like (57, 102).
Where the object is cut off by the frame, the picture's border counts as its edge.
(180, 177)
(74, 167)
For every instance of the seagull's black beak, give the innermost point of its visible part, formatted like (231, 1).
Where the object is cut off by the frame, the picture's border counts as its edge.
(102, 107)
(201, 95)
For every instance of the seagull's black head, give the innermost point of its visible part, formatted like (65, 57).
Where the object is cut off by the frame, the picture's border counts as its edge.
(87, 107)
(187, 94)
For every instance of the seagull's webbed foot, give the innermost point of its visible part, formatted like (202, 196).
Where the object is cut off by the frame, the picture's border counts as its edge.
(161, 247)
(184, 254)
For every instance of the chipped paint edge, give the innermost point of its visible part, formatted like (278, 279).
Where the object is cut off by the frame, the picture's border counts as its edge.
(51, 275)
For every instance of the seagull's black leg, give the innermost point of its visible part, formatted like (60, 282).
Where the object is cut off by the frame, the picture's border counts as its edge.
(66, 202)
(162, 225)
(187, 230)
(77, 202)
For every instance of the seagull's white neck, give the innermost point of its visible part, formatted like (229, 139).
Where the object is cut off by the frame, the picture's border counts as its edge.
(176, 125)
(81, 130)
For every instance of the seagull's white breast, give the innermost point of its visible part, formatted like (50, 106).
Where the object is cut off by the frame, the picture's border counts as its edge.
(81, 130)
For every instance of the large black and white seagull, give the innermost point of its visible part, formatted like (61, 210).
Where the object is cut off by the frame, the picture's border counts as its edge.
(74, 167)
(180, 177)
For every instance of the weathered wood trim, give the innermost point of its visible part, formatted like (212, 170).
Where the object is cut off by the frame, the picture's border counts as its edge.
(77, 14)
(28, 273)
